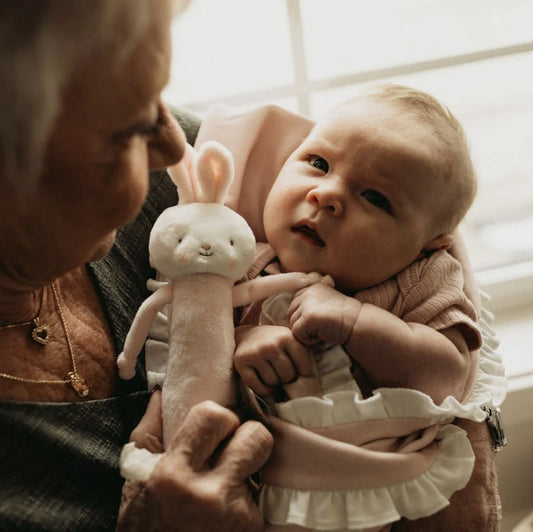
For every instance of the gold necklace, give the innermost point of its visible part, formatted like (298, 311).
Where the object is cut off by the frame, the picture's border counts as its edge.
(40, 332)
(74, 379)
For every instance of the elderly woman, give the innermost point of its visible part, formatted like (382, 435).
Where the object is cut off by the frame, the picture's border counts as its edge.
(80, 127)
(81, 124)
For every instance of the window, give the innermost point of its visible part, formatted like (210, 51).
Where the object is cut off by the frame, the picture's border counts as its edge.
(308, 55)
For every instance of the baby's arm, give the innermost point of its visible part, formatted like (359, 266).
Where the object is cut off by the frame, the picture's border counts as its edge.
(269, 355)
(391, 352)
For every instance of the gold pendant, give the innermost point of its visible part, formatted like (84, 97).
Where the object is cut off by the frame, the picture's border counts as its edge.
(78, 384)
(40, 333)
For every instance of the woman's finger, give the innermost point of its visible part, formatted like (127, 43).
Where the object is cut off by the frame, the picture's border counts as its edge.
(204, 428)
(246, 452)
(148, 434)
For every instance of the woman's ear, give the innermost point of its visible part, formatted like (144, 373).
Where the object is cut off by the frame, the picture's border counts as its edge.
(444, 241)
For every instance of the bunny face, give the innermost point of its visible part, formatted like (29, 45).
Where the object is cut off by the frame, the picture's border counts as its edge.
(201, 238)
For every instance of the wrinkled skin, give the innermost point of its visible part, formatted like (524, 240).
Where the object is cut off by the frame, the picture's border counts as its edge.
(214, 455)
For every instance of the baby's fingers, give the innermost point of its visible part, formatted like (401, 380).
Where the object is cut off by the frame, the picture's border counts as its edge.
(304, 331)
(328, 281)
(302, 360)
(253, 381)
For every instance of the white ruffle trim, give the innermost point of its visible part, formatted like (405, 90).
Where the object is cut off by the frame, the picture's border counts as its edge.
(343, 407)
(137, 464)
(366, 508)
(491, 384)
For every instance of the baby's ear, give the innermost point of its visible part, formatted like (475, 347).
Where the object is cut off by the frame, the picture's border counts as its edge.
(444, 241)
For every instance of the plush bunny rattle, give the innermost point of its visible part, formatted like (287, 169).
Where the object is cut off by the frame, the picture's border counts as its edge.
(202, 247)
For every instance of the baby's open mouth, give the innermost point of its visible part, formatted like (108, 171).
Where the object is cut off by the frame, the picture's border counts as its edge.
(309, 234)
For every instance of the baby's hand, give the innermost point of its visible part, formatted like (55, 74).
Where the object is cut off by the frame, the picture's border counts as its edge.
(308, 279)
(269, 355)
(319, 315)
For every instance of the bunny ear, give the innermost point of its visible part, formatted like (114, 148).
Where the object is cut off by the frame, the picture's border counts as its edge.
(214, 167)
(182, 174)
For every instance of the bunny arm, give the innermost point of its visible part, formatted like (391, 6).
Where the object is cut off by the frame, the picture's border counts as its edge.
(139, 330)
(263, 287)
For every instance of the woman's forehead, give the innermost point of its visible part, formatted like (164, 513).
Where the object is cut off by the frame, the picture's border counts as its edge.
(108, 87)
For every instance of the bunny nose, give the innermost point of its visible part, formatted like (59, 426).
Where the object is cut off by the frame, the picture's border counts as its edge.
(207, 247)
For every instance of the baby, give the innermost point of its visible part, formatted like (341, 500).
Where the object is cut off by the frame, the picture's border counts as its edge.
(371, 198)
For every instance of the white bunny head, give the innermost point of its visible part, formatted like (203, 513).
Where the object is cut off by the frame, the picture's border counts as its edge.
(200, 234)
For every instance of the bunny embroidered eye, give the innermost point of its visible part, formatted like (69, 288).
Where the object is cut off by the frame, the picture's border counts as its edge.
(231, 242)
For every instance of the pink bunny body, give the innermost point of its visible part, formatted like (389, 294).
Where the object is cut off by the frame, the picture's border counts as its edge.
(203, 366)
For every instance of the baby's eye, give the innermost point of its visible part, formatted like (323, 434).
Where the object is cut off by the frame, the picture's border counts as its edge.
(319, 162)
(377, 199)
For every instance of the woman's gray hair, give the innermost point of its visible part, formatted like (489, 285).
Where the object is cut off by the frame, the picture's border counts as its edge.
(41, 44)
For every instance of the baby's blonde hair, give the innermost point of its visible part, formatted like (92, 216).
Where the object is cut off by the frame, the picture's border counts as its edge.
(460, 175)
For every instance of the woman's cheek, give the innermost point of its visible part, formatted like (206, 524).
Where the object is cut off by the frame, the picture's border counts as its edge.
(130, 184)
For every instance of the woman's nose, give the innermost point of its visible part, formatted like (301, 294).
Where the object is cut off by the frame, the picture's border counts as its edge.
(168, 146)
(327, 198)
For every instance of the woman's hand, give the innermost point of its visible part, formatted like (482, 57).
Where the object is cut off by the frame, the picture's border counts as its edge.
(201, 481)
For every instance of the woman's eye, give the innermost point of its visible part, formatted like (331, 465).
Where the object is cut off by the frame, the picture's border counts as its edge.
(377, 199)
(147, 131)
(150, 131)
(319, 162)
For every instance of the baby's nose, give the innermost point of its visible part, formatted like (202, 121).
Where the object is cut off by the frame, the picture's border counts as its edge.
(326, 198)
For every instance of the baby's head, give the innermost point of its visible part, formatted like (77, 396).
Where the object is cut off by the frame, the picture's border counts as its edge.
(382, 179)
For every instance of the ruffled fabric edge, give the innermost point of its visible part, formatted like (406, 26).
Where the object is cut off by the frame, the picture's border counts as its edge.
(490, 386)
(366, 508)
(343, 407)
